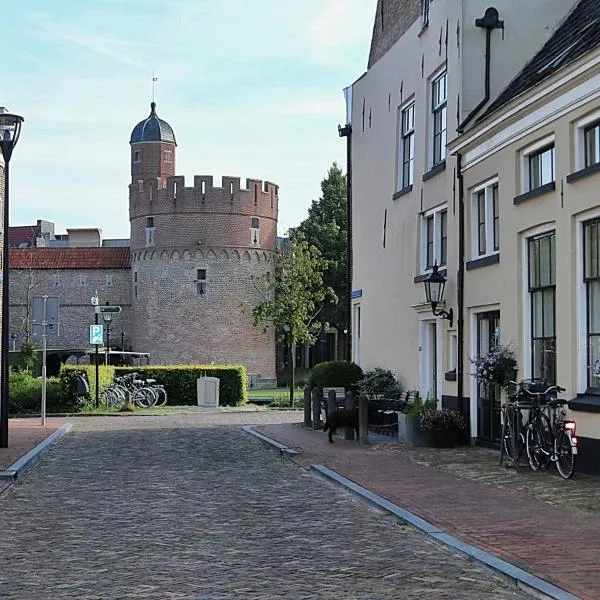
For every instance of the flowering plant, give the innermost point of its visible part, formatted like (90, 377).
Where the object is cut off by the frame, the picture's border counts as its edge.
(441, 420)
(498, 366)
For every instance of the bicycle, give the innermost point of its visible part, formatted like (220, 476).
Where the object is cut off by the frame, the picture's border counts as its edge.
(552, 438)
(514, 425)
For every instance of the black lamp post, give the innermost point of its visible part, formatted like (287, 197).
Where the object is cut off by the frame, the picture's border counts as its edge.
(107, 319)
(10, 130)
(434, 293)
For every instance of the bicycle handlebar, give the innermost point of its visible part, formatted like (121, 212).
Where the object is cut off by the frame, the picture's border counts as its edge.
(552, 388)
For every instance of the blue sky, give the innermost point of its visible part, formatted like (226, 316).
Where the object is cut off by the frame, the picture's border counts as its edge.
(252, 88)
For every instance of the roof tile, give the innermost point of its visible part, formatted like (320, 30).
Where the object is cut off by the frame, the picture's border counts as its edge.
(69, 258)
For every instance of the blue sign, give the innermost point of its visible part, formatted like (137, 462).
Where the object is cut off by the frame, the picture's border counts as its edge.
(356, 293)
(96, 334)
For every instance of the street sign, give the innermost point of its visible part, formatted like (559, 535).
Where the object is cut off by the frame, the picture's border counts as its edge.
(96, 334)
(37, 315)
(108, 309)
(95, 301)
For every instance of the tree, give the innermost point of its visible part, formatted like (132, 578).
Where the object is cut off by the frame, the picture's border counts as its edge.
(294, 297)
(326, 228)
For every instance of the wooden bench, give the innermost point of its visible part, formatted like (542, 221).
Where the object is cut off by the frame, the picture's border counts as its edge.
(383, 411)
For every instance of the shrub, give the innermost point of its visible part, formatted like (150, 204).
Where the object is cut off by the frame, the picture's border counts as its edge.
(497, 367)
(338, 373)
(25, 394)
(441, 420)
(68, 375)
(418, 407)
(180, 381)
(379, 383)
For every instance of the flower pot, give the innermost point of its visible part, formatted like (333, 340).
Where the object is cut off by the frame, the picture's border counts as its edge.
(410, 432)
(445, 438)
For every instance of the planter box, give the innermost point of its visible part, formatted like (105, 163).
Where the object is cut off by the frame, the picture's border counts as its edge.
(409, 431)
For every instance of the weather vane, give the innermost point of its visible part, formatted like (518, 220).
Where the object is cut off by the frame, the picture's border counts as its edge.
(154, 80)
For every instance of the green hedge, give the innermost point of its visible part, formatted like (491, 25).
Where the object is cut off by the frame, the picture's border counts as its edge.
(180, 381)
(338, 373)
(25, 394)
(67, 380)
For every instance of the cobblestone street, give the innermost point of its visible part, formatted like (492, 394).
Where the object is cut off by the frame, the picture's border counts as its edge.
(192, 507)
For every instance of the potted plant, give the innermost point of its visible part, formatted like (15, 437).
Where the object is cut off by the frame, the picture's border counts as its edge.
(409, 428)
(443, 426)
(497, 367)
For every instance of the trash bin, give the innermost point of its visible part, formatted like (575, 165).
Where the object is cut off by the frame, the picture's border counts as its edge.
(208, 391)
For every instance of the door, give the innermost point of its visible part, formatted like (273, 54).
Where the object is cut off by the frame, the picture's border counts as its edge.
(488, 396)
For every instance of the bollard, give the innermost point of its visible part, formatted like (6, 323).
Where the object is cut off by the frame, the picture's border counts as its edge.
(307, 416)
(331, 404)
(316, 407)
(349, 404)
(363, 420)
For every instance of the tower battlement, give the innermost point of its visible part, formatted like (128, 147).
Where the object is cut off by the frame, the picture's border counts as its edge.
(170, 194)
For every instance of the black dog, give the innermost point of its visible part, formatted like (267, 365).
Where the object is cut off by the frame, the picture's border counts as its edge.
(341, 418)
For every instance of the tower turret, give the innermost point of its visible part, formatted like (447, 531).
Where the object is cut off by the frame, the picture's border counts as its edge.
(152, 149)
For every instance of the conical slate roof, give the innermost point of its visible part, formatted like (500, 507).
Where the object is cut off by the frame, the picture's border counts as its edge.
(152, 129)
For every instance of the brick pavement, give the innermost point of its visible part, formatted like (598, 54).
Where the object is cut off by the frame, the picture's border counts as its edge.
(515, 515)
(190, 507)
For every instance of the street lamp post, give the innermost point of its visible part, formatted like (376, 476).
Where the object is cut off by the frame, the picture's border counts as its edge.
(107, 318)
(10, 130)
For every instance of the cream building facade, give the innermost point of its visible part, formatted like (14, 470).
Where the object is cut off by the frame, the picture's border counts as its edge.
(531, 174)
(435, 67)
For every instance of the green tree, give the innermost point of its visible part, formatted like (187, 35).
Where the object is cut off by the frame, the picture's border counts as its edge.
(326, 228)
(293, 298)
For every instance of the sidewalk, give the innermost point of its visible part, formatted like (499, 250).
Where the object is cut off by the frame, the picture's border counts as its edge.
(23, 436)
(537, 521)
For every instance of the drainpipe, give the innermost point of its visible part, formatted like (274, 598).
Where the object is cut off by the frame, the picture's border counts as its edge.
(489, 21)
(346, 132)
(460, 284)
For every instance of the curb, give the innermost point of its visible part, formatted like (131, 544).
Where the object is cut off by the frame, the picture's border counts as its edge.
(263, 438)
(27, 460)
(522, 579)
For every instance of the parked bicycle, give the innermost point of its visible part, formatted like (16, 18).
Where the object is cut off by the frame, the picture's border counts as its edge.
(143, 393)
(543, 432)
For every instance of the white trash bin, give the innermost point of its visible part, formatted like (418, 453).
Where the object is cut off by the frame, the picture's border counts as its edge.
(208, 392)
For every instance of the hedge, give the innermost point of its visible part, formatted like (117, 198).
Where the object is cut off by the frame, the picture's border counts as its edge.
(180, 381)
(338, 373)
(25, 394)
(67, 379)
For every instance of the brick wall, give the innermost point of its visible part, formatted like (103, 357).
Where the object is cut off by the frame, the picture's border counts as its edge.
(75, 310)
(177, 325)
(398, 16)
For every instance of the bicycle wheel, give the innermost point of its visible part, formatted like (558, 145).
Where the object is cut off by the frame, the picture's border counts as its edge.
(565, 457)
(511, 441)
(161, 396)
(539, 443)
(144, 397)
(112, 396)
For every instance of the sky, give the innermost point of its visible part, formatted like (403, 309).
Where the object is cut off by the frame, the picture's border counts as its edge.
(252, 88)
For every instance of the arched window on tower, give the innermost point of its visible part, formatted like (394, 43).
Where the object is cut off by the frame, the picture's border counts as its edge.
(254, 231)
(201, 282)
(149, 232)
(174, 190)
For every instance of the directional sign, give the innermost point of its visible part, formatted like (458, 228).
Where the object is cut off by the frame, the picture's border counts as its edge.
(108, 309)
(96, 334)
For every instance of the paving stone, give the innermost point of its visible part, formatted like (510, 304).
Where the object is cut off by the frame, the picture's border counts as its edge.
(191, 507)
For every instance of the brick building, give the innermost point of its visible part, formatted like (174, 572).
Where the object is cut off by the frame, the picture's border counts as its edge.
(182, 277)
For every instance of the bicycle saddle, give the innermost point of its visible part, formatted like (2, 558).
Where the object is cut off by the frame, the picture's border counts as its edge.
(149, 381)
(557, 402)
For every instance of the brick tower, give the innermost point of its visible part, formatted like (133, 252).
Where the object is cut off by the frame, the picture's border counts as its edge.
(194, 253)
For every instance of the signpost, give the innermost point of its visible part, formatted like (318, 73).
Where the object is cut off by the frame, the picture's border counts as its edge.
(97, 332)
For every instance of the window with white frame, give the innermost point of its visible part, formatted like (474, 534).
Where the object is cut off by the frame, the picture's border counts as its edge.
(542, 299)
(254, 231)
(591, 277)
(201, 282)
(406, 146)
(140, 185)
(434, 239)
(439, 93)
(149, 232)
(485, 220)
(538, 165)
(587, 141)
(109, 279)
(168, 156)
(82, 279)
(56, 279)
